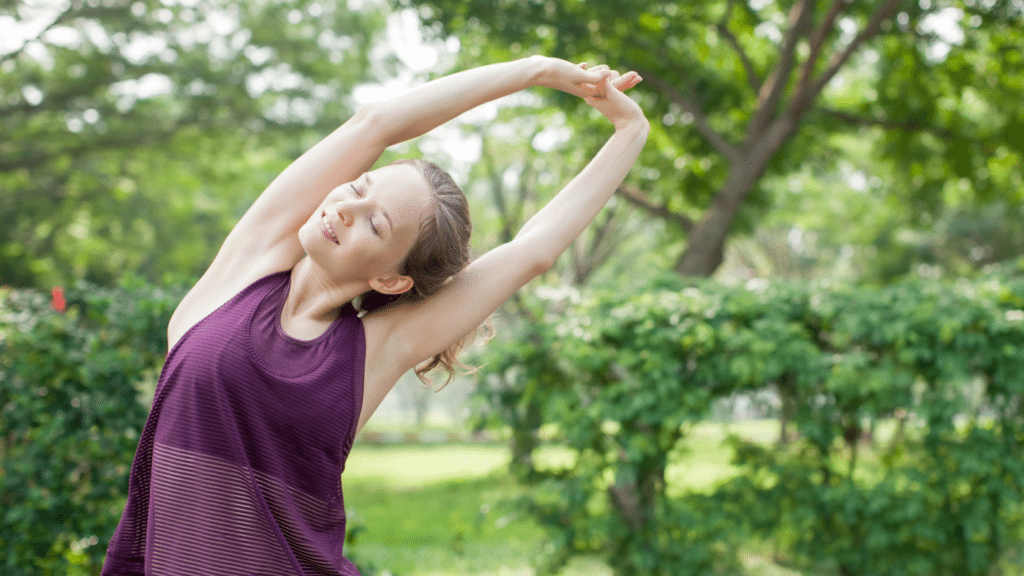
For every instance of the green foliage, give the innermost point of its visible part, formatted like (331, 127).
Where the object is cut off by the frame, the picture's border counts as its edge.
(932, 107)
(619, 379)
(136, 132)
(72, 405)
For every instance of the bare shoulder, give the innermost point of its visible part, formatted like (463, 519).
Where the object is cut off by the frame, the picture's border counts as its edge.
(226, 277)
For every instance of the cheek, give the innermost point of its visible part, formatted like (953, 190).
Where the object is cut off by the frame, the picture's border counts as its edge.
(392, 254)
(367, 247)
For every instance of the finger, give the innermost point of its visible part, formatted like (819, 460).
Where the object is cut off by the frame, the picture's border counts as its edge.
(592, 75)
(588, 86)
(627, 81)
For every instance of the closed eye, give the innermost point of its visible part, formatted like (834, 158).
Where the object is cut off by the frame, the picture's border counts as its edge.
(356, 191)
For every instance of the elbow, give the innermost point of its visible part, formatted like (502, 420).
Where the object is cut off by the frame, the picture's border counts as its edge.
(366, 113)
(540, 261)
(368, 121)
(532, 261)
(541, 264)
(532, 252)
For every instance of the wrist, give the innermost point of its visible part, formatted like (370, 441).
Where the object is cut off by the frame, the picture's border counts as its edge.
(539, 69)
(633, 124)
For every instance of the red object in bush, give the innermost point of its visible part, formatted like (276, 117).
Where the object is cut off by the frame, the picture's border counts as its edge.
(57, 301)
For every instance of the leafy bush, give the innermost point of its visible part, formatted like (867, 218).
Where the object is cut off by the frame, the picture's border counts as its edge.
(70, 417)
(619, 379)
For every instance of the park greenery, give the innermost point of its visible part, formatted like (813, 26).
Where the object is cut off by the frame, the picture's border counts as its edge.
(753, 97)
(825, 226)
(941, 494)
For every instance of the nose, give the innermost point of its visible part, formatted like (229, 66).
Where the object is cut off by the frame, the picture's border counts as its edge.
(346, 211)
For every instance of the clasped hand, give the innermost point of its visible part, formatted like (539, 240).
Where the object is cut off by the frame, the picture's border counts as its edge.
(600, 86)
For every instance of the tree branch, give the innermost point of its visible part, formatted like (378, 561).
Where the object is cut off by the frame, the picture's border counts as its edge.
(700, 121)
(818, 40)
(723, 30)
(802, 101)
(497, 188)
(603, 245)
(589, 256)
(771, 91)
(885, 123)
(638, 198)
(131, 140)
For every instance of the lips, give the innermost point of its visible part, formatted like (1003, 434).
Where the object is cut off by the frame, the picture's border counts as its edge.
(328, 229)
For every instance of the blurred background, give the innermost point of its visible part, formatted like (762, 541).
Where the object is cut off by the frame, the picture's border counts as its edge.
(791, 344)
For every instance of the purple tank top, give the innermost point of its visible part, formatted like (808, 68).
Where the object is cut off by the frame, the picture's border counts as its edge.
(238, 470)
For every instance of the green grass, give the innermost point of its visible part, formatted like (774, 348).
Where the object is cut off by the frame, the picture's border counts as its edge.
(442, 510)
(457, 527)
(439, 510)
(412, 466)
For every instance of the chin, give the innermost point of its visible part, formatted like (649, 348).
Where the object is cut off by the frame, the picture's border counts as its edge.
(303, 237)
(310, 240)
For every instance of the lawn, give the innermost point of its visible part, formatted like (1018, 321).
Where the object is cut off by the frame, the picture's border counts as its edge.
(441, 509)
(438, 510)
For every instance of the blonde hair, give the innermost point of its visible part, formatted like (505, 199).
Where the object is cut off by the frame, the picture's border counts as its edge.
(441, 250)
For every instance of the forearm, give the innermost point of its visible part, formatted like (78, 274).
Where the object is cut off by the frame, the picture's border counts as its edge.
(438, 101)
(555, 226)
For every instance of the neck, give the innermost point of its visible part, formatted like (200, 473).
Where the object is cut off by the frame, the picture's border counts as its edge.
(314, 297)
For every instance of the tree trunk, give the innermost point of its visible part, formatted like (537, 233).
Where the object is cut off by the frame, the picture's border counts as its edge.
(525, 440)
(705, 248)
(787, 411)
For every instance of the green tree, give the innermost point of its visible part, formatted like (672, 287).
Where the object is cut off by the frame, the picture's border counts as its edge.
(137, 131)
(743, 93)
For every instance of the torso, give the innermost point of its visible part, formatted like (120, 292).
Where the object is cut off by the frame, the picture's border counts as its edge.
(210, 293)
(239, 463)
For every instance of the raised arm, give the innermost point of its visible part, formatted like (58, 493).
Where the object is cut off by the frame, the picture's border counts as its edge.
(441, 100)
(353, 148)
(416, 332)
(555, 226)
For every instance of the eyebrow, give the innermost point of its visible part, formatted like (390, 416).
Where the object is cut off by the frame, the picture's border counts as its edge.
(369, 183)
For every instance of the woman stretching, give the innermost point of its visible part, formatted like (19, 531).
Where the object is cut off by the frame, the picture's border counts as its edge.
(336, 281)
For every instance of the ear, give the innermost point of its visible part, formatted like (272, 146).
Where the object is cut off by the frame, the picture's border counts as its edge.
(392, 284)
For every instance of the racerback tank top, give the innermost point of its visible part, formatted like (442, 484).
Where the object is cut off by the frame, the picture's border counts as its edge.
(238, 469)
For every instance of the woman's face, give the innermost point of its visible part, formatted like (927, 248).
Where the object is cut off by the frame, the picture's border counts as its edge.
(365, 228)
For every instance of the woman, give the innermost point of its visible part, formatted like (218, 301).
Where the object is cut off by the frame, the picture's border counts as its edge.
(336, 282)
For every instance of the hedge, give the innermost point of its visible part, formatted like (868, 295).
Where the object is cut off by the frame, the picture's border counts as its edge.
(620, 379)
(72, 405)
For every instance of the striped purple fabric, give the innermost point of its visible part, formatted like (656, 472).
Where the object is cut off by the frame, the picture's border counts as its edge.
(238, 470)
